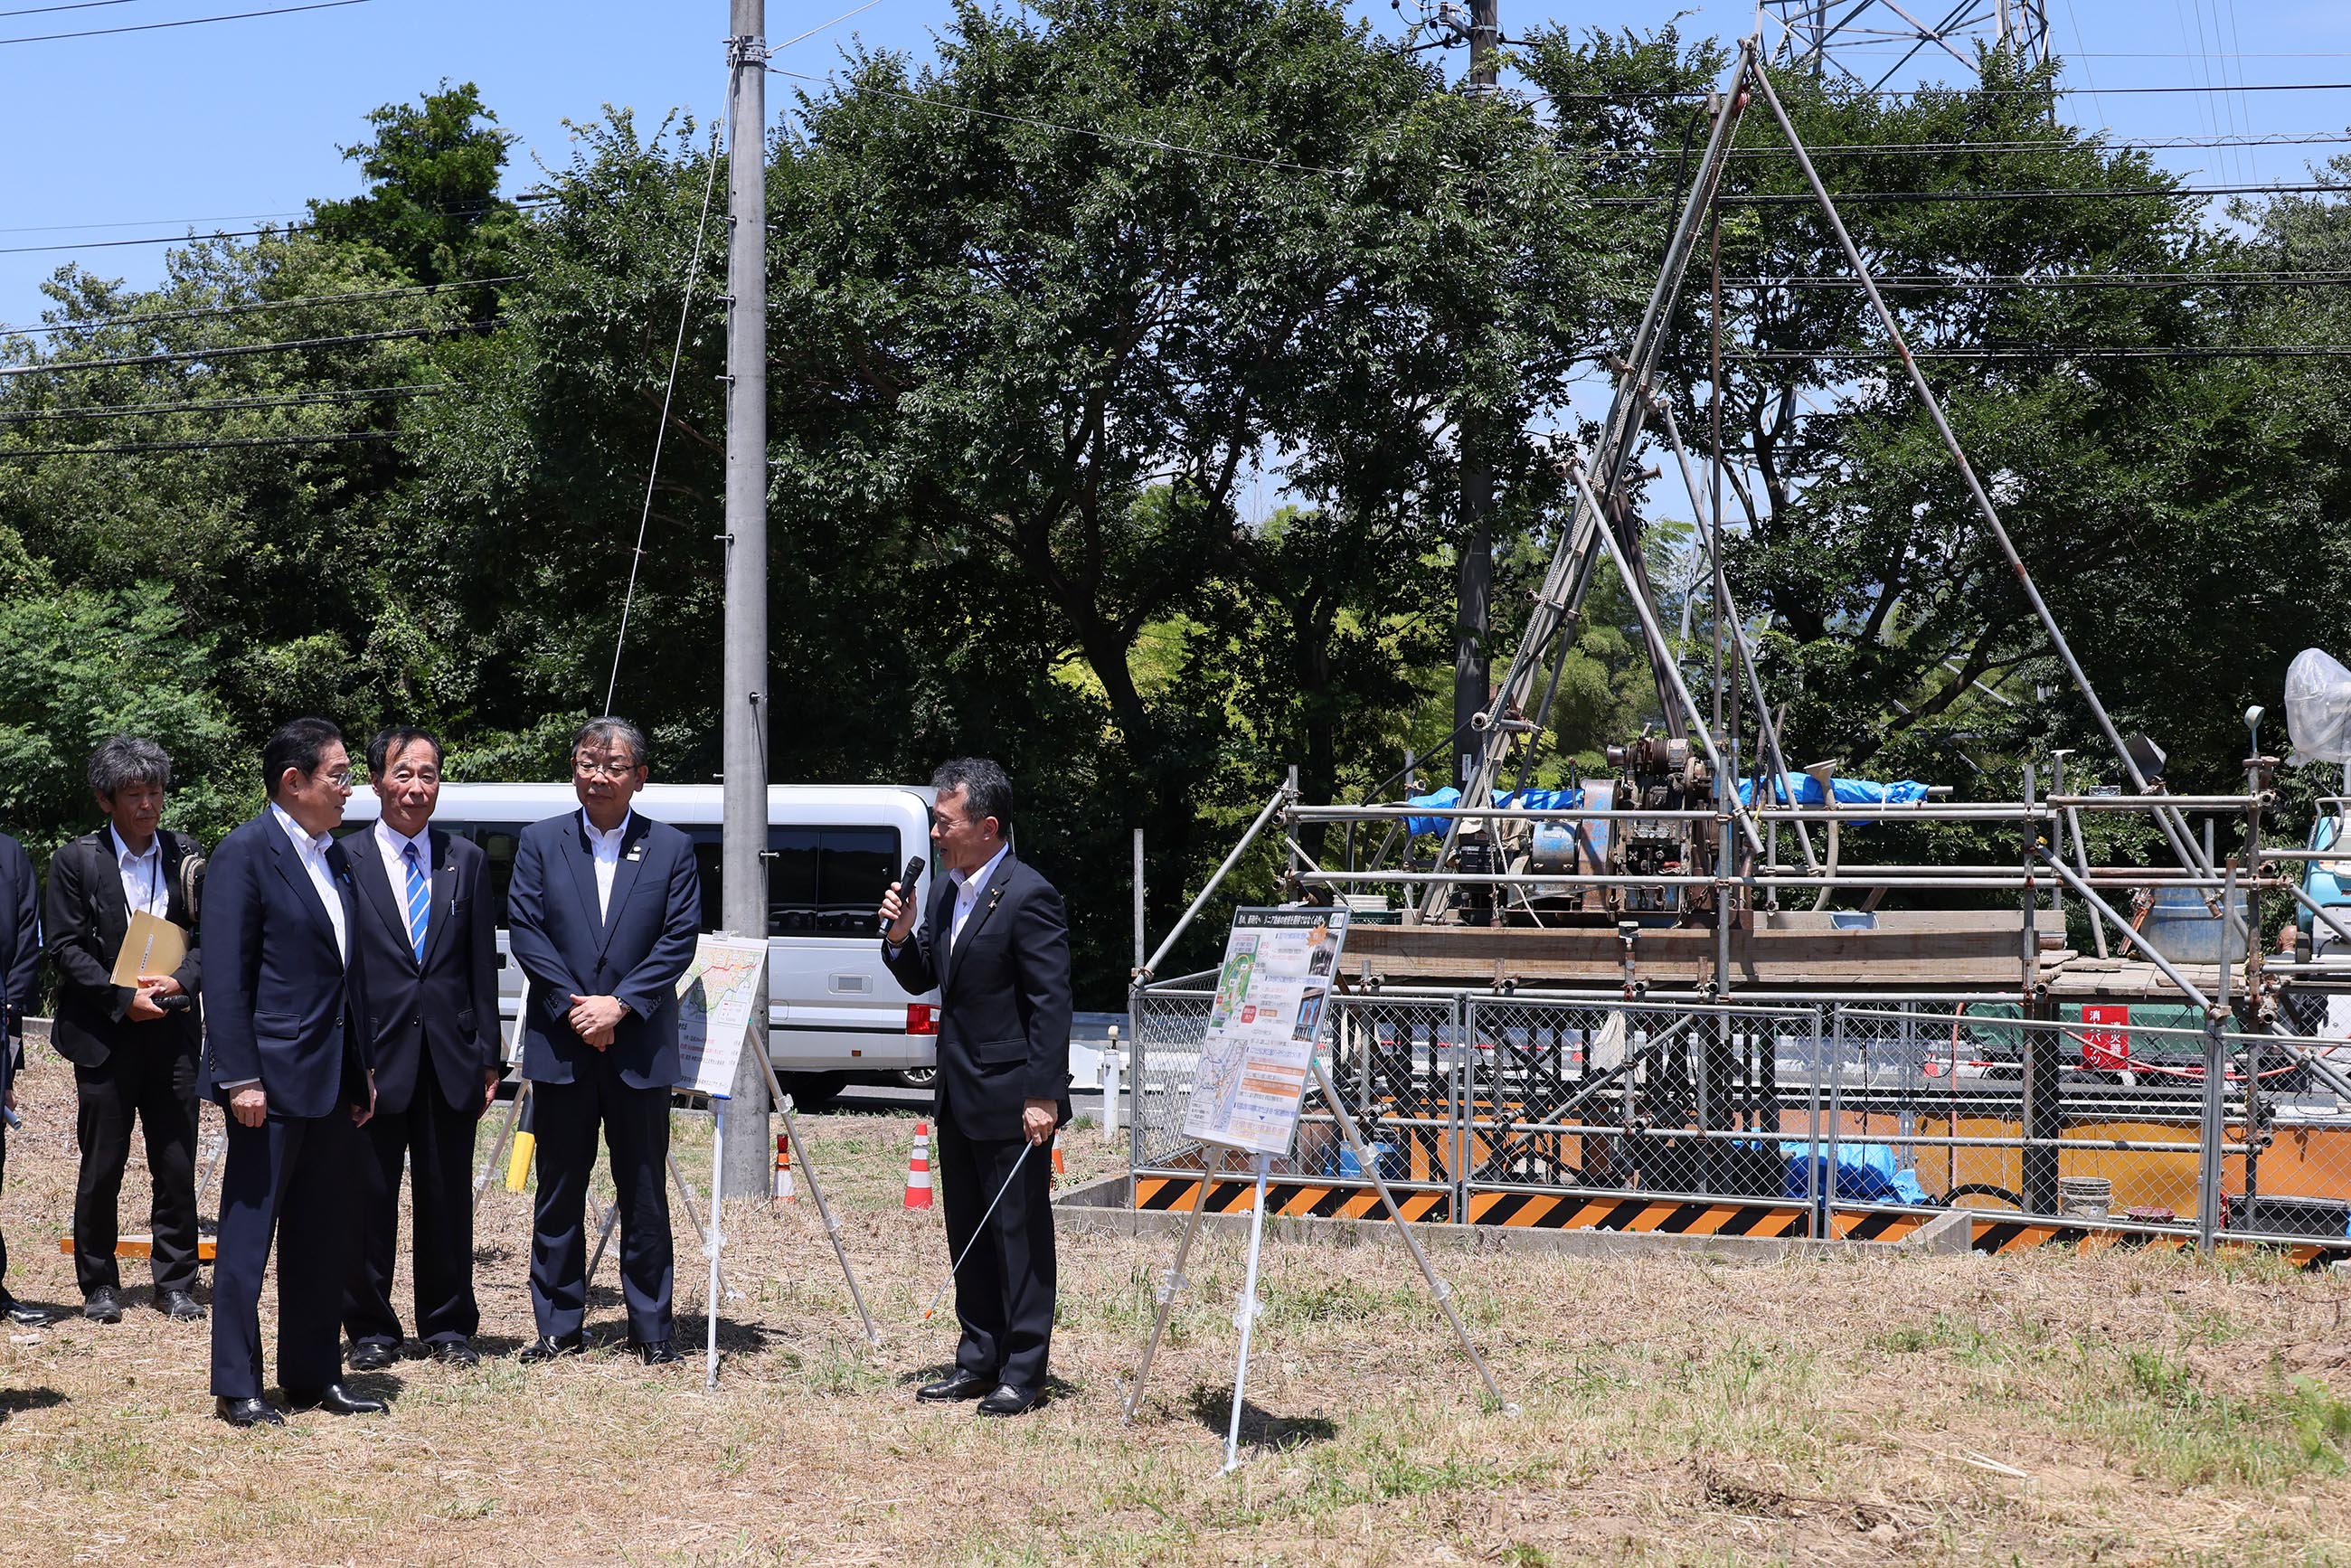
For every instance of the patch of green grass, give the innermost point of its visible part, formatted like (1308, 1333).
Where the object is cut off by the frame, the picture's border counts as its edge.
(1334, 1300)
(2161, 1410)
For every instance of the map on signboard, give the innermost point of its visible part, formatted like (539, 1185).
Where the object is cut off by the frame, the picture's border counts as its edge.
(1264, 1027)
(713, 1011)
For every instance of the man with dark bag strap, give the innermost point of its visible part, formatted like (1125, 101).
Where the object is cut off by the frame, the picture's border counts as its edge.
(430, 956)
(133, 1048)
(995, 945)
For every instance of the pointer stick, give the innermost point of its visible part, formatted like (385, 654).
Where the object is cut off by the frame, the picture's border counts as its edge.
(976, 1235)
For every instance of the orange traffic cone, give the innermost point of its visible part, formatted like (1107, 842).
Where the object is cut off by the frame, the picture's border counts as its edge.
(1059, 1169)
(918, 1168)
(782, 1190)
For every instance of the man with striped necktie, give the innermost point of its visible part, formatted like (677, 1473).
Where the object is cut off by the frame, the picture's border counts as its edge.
(426, 944)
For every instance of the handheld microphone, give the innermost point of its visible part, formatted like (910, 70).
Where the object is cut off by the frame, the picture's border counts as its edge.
(906, 880)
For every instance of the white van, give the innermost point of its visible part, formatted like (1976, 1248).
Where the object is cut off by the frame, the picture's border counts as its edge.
(833, 1011)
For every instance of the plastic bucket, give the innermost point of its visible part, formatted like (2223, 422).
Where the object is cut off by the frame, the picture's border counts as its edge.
(2184, 931)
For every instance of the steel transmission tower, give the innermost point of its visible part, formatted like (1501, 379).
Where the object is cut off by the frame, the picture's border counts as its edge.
(1873, 41)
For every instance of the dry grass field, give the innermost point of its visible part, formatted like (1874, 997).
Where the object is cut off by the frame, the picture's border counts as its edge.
(2122, 1408)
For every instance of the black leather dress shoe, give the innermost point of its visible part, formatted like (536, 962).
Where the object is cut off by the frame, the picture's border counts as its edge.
(961, 1384)
(372, 1355)
(335, 1400)
(24, 1314)
(658, 1351)
(103, 1305)
(548, 1348)
(247, 1412)
(458, 1352)
(1009, 1400)
(180, 1307)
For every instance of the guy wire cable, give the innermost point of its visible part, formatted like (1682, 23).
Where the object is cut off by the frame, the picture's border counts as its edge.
(669, 390)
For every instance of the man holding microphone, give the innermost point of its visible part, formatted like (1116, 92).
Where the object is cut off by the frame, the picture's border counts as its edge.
(995, 944)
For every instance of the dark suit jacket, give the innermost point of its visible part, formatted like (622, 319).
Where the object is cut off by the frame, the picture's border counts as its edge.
(280, 1005)
(449, 1004)
(86, 916)
(637, 954)
(20, 952)
(1004, 998)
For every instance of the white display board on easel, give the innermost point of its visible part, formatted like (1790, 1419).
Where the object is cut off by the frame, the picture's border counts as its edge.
(1264, 1027)
(714, 997)
(1260, 1049)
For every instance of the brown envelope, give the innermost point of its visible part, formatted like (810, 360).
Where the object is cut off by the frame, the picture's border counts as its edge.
(151, 946)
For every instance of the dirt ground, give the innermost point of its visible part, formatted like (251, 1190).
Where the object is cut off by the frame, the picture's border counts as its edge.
(2119, 1408)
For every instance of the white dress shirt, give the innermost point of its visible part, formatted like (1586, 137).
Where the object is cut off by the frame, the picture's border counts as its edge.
(143, 887)
(313, 855)
(393, 845)
(966, 894)
(606, 848)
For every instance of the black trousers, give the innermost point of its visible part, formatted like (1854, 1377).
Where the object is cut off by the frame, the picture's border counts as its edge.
(293, 1177)
(635, 1123)
(437, 1142)
(1004, 1292)
(4, 1183)
(156, 1086)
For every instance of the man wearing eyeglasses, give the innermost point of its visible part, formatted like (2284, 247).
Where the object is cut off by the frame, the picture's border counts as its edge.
(995, 945)
(133, 1048)
(425, 941)
(287, 1057)
(602, 915)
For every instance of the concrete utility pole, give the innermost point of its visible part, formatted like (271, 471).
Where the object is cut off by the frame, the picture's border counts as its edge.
(743, 842)
(1472, 661)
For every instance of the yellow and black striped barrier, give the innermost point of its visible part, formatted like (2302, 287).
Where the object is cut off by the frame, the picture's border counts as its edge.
(1294, 1199)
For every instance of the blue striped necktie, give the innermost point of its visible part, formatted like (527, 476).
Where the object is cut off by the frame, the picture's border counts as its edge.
(419, 901)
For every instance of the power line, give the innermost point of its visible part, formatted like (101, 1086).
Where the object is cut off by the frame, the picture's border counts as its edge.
(2062, 280)
(77, 5)
(210, 406)
(1154, 142)
(201, 311)
(144, 223)
(2085, 192)
(2157, 144)
(188, 22)
(328, 438)
(239, 351)
(2246, 351)
(1632, 97)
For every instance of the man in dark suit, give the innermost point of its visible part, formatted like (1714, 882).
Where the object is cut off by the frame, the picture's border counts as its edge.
(134, 1049)
(20, 966)
(602, 915)
(429, 958)
(286, 1056)
(997, 946)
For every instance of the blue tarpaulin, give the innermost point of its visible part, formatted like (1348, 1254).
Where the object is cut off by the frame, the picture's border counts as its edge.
(1448, 796)
(1806, 790)
(1865, 1172)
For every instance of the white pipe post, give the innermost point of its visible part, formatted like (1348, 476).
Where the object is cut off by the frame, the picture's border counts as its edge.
(1245, 1315)
(710, 1239)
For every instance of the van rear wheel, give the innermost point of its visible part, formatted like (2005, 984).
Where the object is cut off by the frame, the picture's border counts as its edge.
(815, 1091)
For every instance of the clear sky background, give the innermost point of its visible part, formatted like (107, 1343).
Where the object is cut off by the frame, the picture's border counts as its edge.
(137, 134)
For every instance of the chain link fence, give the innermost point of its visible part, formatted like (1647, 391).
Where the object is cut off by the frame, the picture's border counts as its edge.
(2104, 1116)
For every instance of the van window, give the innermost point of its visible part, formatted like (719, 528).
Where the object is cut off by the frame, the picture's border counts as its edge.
(829, 880)
(498, 850)
(821, 881)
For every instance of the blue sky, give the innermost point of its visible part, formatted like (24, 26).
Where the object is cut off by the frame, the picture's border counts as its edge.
(144, 133)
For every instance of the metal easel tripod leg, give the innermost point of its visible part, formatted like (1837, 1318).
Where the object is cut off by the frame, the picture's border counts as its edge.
(1437, 1287)
(1174, 1283)
(816, 1191)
